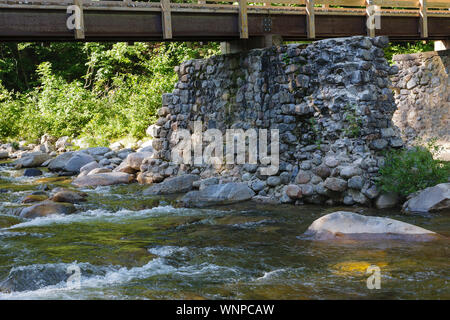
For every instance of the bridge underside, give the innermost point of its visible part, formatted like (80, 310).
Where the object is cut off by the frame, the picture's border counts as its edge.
(50, 25)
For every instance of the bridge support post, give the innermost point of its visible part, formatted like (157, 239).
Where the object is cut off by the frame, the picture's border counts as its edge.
(79, 32)
(441, 45)
(235, 46)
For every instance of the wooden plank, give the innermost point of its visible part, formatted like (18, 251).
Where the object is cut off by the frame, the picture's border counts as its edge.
(397, 3)
(166, 19)
(348, 3)
(439, 4)
(423, 19)
(79, 32)
(243, 19)
(310, 22)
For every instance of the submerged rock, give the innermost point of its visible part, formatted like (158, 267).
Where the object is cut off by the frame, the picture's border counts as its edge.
(32, 172)
(46, 208)
(431, 199)
(34, 198)
(343, 225)
(103, 179)
(387, 200)
(69, 196)
(218, 194)
(33, 278)
(179, 184)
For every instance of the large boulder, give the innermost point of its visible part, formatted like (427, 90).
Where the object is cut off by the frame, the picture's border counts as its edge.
(431, 199)
(60, 161)
(46, 208)
(103, 179)
(134, 160)
(4, 154)
(352, 226)
(77, 161)
(31, 160)
(218, 194)
(178, 184)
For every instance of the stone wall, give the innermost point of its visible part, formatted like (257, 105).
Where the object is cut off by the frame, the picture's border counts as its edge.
(330, 100)
(422, 95)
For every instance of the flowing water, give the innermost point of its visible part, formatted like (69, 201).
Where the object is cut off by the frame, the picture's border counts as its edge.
(128, 246)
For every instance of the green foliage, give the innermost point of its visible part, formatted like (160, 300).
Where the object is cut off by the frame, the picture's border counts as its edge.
(407, 171)
(406, 48)
(353, 122)
(115, 94)
(314, 126)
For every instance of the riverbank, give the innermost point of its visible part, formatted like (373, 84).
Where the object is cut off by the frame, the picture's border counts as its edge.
(105, 166)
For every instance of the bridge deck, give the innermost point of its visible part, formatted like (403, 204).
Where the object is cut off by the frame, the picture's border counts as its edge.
(126, 20)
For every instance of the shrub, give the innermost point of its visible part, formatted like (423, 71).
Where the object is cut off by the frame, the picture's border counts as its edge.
(117, 97)
(409, 170)
(406, 48)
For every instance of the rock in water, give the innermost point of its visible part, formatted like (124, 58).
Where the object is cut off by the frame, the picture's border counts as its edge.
(69, 196)
(31, 160)
(103, 179)
(134, 160)
(218, 194)
(32, 172)
(431, 199)
(173, 185)
(60, 161)
(46, 208)
(33, 277)
(76, 162)
(343, 225)
(387, 200)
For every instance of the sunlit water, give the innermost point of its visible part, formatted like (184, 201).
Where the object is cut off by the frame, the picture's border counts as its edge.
(128, 246)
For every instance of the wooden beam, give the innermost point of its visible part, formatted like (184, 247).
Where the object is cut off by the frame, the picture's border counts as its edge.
(243, 19)
(79, 32)
(166, 19)
(423, 19)
(310, 22)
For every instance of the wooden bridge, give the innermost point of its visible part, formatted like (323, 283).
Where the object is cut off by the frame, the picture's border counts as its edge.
(222, 20)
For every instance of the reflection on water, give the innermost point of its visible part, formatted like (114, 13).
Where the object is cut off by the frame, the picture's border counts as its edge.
(133, 247)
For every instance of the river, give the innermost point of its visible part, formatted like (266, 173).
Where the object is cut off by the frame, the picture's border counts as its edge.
(128, 246)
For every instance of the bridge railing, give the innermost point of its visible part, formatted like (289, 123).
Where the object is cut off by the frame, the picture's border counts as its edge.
(372, 9)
